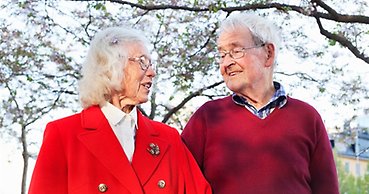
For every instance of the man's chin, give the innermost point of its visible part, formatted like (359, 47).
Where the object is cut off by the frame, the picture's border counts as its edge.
(232, 86)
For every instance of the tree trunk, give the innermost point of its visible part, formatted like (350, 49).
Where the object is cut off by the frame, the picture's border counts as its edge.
(25, 156)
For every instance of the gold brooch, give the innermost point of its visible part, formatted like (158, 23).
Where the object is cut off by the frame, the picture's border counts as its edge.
(153, 149)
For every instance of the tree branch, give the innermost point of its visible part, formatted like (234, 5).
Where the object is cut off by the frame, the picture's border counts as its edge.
(331, 15)
(188, 98)
(342, 40)
(303, 76)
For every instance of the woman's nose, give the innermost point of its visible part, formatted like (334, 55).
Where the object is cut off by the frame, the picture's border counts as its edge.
(150, 72)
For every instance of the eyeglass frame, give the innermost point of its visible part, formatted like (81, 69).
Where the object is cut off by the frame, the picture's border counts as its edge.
(141, 60)
(243, 50)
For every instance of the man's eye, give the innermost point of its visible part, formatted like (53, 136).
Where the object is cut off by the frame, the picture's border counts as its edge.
(222, 55)
(237, 51)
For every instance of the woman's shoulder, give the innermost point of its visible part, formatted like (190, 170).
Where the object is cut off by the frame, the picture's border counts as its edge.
(67, 119)
(162, 127)
(91, 114)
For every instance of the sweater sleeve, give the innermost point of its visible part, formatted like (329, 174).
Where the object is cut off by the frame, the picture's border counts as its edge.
(322, 166)
(194, 136)
(194, 179)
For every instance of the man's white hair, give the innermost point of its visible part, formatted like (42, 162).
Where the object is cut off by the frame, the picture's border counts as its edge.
(263, 30)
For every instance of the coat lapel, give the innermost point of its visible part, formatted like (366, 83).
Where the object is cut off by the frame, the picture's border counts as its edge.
(143, 161)
(101, 141)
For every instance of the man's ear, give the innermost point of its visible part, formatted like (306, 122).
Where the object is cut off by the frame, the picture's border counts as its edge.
(270, 51)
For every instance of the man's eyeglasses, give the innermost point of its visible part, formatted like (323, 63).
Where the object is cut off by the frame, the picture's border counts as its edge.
(236, 53)
(144, 62)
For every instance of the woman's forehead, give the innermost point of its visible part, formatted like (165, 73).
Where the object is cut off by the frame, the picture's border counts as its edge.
(138, 49)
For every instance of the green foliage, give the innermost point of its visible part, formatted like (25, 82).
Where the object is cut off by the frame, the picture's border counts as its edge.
(322, 89)
(214, 8)
(350, 184)
(100, 6)
(286, 8)
(331, 42)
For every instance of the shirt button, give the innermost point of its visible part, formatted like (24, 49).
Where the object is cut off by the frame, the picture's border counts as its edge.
(161, 184)
(102, 188)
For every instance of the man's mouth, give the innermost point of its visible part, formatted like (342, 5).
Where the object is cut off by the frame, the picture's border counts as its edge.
(233, 73)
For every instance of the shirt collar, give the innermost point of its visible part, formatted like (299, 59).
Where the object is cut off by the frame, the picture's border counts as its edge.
(279, 97)
(114, 115)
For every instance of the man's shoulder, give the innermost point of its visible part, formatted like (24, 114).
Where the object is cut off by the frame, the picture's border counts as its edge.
(216, 105)
(300, 105)
(296, 101)
(219, 101)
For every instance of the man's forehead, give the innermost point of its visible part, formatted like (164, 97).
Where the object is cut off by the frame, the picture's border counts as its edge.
(226, 45)
(234, 38)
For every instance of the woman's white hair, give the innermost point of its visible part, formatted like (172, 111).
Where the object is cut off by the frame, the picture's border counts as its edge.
(102, 71)
(262, 30)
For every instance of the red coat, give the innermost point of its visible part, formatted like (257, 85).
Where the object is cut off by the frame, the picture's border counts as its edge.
(80, 154)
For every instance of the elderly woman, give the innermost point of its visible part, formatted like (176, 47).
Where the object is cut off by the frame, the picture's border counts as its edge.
(110, 146)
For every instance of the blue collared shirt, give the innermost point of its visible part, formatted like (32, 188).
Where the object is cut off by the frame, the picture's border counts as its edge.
(279, 99)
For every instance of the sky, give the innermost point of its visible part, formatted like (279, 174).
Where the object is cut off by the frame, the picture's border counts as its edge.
(11, 168)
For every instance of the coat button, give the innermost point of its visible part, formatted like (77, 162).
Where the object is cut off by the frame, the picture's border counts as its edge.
(161, 184)
(103, 188)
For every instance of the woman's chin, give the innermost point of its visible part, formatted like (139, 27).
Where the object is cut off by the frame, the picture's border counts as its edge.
(142, 99)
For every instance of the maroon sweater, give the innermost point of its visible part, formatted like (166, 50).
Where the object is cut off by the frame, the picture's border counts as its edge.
(288, 152)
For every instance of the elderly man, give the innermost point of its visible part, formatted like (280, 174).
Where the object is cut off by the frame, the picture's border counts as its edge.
(258, 140)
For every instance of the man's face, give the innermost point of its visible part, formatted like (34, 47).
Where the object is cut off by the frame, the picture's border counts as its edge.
(240, 73)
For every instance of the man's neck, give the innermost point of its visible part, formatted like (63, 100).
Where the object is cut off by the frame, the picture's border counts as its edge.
(258, 97)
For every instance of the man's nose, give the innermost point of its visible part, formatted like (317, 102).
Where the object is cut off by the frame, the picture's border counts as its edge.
(227, 61)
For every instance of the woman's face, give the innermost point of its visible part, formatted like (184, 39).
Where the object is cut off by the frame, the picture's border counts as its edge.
(138, 76)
